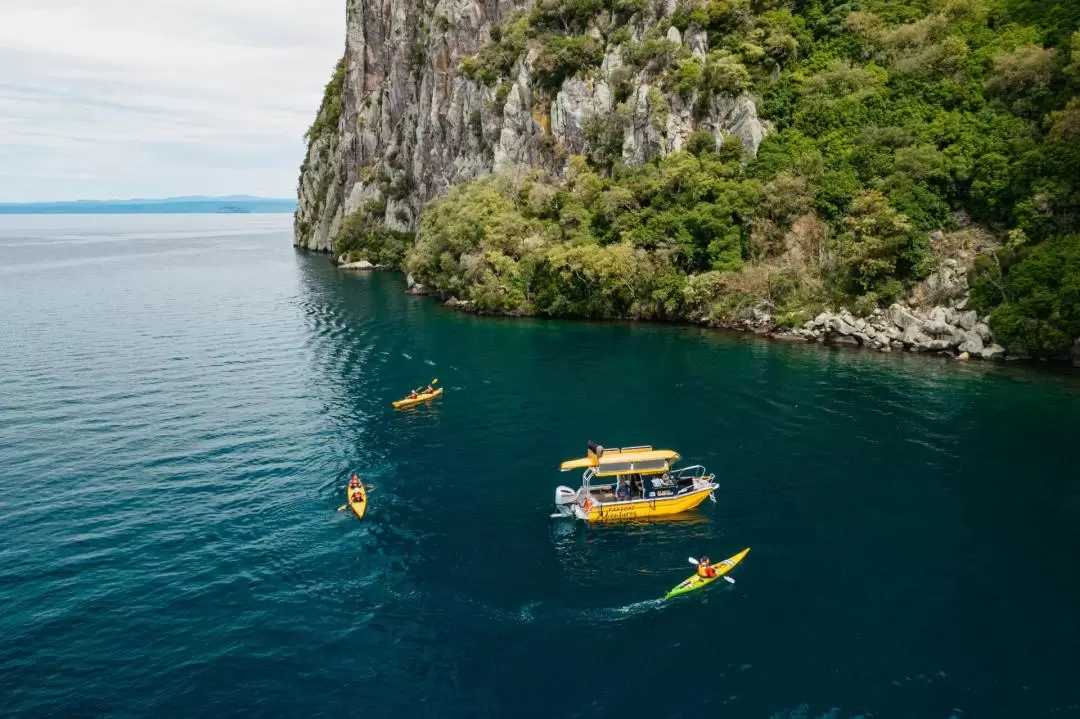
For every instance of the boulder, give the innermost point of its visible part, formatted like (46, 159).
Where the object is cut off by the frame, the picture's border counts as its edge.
(784, 336)
(963, 357)
(983, 331)
(965, 320)
(840, 339)
(972, 343)
(993, 352)
(913, 336)
(937, 328)
(841, 326)
(902, 318)
(413, 287)
(940, 315)
(360, 265)
(936, 346)
(459, 304)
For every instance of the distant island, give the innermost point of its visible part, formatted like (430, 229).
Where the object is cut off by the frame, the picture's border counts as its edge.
(187, 205)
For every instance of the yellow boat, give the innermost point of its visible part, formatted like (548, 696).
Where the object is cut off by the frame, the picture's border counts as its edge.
(410, 401)
(638, 483)
(358, 508)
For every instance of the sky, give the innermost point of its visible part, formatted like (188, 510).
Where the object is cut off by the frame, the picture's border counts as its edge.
(113, 99)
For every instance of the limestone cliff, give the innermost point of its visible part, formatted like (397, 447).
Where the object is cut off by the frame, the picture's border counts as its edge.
(411, 124)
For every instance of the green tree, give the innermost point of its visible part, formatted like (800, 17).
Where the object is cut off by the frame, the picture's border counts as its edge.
(875, 238)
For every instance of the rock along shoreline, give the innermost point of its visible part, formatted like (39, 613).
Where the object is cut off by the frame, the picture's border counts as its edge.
(947, 329)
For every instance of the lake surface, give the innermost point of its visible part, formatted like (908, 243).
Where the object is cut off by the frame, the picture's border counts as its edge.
(182, 399)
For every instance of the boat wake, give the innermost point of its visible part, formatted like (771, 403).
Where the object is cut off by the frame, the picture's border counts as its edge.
(617, 614)
(531, 611)
(536, 611)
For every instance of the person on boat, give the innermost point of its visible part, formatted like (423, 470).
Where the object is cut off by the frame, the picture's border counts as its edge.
(705, 568)
(623, 490)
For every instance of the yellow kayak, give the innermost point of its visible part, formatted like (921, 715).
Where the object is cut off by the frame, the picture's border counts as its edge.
(697, 582)
(408, 402)
(358, 508)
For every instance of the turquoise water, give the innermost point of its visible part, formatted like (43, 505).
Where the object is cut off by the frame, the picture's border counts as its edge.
(182, 399)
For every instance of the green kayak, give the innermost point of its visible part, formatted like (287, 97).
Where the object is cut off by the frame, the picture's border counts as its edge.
(696, 582)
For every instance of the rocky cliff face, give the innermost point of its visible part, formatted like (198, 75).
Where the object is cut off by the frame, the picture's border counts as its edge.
(412, 124)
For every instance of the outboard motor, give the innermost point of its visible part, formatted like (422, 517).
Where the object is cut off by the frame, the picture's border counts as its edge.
(565, 495)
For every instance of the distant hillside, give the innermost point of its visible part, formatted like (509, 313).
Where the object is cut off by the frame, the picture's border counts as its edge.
(187, 205)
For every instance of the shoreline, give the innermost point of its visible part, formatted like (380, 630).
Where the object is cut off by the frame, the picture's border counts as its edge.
(898, 329)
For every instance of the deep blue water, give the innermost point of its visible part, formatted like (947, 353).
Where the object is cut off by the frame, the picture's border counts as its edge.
(183, 397)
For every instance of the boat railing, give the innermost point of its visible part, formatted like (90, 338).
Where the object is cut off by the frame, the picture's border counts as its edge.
(695, 472)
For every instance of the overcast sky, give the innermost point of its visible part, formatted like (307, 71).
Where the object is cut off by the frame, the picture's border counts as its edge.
(107, 99)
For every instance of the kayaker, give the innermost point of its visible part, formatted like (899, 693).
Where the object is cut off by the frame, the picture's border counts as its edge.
(705, 569)
(413, 395)
(357, 496)
(429, 390)
(354, 483)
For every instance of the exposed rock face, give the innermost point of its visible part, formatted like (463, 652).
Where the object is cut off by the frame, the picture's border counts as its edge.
(947, 285)
(412, 126)
(939, 329)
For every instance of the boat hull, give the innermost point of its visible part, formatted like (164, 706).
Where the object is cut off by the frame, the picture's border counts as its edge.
(644, 508)
(417, 400)
(697, 582)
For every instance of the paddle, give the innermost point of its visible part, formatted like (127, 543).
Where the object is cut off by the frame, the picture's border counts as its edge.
(433, 383)
(726, 578)
(367, 490)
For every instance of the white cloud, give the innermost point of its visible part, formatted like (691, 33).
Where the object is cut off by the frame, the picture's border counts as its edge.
(122, 98)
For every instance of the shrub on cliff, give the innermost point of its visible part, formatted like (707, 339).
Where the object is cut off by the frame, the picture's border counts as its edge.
(564, 57)
(326, 119)
(362, 236)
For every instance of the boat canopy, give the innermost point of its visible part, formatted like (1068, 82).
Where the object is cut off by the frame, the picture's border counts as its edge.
(623, 461)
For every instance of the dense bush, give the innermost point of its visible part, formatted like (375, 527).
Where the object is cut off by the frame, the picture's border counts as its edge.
(563, 57)
(363, 236)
